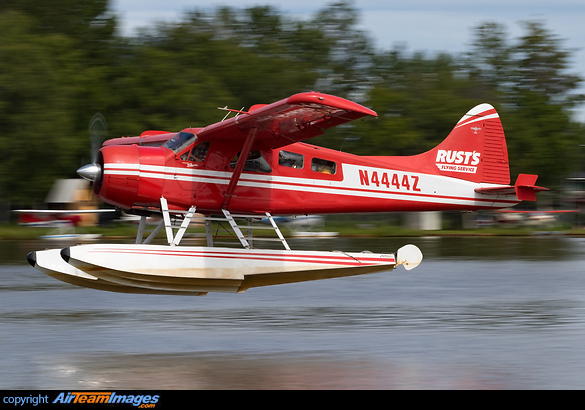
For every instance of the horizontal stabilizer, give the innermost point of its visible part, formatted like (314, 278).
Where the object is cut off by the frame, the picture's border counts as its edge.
(497, 190)
(524, 188)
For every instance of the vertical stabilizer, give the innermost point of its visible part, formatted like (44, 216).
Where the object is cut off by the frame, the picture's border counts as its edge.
(476, 148)
(475, 151)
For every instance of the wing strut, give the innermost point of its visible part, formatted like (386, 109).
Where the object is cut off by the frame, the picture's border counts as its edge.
(239, 166)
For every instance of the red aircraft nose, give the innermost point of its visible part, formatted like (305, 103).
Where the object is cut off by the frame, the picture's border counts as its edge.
(117, 180)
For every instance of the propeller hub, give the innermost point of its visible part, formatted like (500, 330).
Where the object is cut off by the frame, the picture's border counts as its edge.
(89, 172)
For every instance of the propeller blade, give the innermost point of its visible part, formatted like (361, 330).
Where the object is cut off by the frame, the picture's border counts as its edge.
(98, 129)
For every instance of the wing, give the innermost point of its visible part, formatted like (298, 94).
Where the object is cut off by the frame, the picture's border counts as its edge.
(297, 118)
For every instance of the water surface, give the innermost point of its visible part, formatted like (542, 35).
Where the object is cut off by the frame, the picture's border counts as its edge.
(478, 313)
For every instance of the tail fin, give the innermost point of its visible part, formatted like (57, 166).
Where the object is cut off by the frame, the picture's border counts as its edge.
(476, 149)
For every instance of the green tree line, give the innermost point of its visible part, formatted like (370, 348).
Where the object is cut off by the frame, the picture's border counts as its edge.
(61, 61)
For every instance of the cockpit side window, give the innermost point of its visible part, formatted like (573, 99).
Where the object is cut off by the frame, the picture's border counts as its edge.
(291, 159)
(255, 163)
(197, 154)
(324, 166)
(180, 141)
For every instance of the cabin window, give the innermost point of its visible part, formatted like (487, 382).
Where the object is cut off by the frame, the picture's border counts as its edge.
(291, 159)
(323, 166)
(180, 141)
(255, 163)
(197, 154)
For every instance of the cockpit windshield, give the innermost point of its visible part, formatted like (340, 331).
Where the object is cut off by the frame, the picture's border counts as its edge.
(180, 141)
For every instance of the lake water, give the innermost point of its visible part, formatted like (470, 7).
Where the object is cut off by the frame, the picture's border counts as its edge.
(478, 313)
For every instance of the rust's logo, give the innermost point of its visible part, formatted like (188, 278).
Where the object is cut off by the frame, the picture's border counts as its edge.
(458, 161)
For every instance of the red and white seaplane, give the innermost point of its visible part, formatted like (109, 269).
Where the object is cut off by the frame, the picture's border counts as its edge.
(256, 166)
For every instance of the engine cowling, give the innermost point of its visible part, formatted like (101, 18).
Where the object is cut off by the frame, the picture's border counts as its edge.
(119, 178)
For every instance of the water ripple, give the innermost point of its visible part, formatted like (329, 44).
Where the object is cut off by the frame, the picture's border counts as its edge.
(496, 316)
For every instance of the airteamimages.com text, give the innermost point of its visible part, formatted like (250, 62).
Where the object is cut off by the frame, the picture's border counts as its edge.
(82, 398)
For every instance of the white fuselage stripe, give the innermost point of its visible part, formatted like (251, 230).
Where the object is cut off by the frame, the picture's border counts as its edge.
(459, 193)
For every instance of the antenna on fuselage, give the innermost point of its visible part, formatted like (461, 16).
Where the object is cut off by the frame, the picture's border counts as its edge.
(349, 138)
